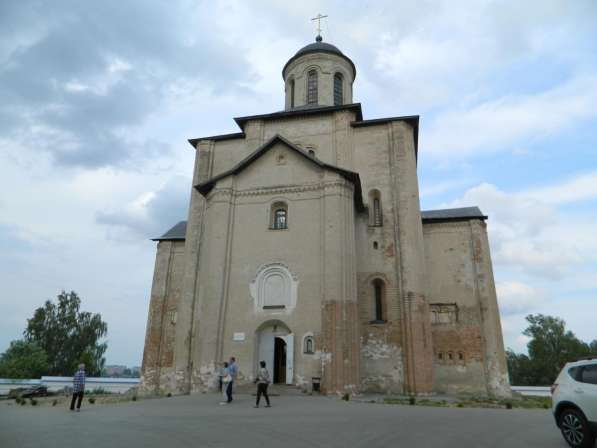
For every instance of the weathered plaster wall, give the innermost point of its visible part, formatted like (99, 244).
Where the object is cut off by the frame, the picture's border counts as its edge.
(240, 242)
(158, 355)
(464, 342)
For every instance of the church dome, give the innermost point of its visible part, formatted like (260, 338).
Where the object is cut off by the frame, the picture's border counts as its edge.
(319, 47)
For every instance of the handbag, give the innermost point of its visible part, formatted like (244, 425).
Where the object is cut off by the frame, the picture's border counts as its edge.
(227, 378)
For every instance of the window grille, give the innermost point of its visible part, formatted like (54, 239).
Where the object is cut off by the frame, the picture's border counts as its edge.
(312, 87)
(280, 219)
(338, 94)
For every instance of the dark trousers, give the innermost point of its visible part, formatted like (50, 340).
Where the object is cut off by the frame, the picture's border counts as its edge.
(262, 389)
(229, 391)
(76, 396)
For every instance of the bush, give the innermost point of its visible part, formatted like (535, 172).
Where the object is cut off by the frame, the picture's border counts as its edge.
(33, 401)
(92, 400)
(23, 402)
(346, 396)
(169, 394)
(54, 402)
(412, 401)
(508, 405)
(134, 398)
(100, 391)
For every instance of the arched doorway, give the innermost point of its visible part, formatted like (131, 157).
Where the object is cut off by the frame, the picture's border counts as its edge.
(279, 373)
(275, 346)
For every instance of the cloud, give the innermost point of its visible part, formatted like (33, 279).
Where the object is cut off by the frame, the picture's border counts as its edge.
(151, 214)
(529, 231)
(517, 297)
(503, 123)
(83, 78)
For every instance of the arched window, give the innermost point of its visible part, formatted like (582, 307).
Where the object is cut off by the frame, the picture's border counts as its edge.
(440, 356)
(309, 345)
(338, 93)
(292, 93)
(279, 216)
(460, 356)
(312, 87)
(378, 297)
(312, 153)
(375, 211)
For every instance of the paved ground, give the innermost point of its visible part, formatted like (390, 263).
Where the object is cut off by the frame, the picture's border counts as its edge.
(198, 422)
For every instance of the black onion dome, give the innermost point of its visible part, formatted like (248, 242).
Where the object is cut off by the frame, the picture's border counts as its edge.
(319, 47)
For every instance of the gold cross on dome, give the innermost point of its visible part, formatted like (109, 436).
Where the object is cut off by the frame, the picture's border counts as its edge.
(318, 18)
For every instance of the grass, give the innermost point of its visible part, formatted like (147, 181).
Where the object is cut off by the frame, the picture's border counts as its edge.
(478, 402)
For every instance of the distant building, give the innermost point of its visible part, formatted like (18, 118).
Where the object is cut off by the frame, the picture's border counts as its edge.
(305, 246)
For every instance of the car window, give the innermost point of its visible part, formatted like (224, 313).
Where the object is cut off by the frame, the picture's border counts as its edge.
(589, 374)
(574, 373)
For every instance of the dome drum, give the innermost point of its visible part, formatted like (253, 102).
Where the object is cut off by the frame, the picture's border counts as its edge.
(318, 75)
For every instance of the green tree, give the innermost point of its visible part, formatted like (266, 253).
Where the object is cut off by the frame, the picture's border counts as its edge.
(68, 336)
(519, 368)
(24, 359)
(550, 347)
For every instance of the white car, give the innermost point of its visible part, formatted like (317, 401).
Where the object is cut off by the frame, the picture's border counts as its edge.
(574, 403)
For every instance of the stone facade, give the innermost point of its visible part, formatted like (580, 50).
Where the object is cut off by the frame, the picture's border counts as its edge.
(305, 246)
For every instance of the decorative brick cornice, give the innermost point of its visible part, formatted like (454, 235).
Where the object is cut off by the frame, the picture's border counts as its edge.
(281, 189)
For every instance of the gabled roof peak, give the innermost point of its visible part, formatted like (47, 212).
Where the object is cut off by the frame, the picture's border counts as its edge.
(205, 187)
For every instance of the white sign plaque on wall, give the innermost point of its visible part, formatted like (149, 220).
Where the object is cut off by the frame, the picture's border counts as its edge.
(238, 337)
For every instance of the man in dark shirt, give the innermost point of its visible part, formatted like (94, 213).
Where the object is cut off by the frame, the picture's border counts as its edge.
(78, 388)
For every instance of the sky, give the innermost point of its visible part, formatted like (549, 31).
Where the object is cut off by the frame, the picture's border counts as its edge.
(98, 99)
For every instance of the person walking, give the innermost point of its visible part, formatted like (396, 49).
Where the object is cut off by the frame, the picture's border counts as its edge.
(262, 381)
(233, 372)
(225, 379)
(78, 388)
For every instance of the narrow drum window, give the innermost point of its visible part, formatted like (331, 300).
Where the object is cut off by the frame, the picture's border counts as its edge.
(338, 94)
(292, 93)
(312, 87)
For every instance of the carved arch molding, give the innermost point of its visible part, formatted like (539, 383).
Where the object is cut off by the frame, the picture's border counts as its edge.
(274, 288)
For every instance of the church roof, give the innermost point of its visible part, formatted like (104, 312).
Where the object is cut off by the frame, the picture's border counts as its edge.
(413, 120)
(179, 231)
(320, 47)
(310, 110)
(176, 233)
(452, 214)
(205, 187)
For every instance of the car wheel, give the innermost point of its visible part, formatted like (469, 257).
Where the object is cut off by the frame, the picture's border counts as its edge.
(575, 429)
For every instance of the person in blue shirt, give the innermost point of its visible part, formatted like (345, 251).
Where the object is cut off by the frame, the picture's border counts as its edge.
(78, 388)
(233, 372)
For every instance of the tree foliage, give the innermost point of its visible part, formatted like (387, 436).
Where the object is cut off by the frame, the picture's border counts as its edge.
(550, 347)
(23, 359)
(68, 336)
